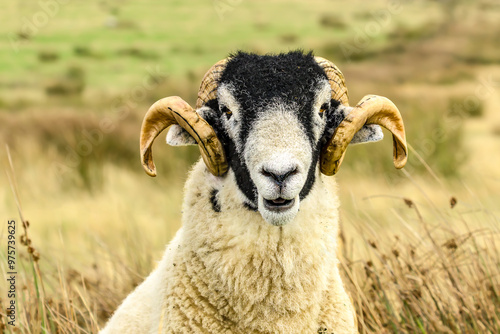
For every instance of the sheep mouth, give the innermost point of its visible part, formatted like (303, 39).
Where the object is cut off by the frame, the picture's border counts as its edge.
(279, 204)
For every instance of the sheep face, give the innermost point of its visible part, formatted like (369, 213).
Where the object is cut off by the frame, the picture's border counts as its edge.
(271, 111)
(276, 141)
(272, 114)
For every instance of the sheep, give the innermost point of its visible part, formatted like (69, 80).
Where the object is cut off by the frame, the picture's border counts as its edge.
(257, 250)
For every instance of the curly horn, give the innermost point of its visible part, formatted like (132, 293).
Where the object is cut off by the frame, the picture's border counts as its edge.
(336, 79)
(372, 109)
(174, 110)
(210, 82)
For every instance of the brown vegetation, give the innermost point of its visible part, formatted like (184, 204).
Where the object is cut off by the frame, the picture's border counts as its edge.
(421, 249)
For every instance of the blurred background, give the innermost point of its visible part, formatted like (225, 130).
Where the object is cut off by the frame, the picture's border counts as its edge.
(76, 78)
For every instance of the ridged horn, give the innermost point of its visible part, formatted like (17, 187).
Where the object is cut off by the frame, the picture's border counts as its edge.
(208, 87)
(372, 109)
(174, 110)
(336, 79)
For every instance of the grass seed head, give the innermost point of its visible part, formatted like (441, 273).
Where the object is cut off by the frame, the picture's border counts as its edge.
(408, 202)
(453, 201)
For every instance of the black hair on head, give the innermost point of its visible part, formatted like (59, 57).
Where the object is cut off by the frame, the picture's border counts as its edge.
(289, 76)
(257, 80)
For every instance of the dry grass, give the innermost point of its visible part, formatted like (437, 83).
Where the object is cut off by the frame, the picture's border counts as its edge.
(430, 278)
(70, 284)
(414, 260)
(437, 269)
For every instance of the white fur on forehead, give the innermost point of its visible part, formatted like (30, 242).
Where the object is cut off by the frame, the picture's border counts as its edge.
(177, 136)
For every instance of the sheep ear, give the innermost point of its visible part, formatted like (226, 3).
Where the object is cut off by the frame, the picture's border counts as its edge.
(177, 136)
(367, 134)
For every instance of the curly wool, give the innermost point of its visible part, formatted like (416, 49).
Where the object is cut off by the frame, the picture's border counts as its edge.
(232, 272)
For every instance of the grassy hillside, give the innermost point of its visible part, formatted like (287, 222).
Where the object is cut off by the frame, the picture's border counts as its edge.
(421, 246)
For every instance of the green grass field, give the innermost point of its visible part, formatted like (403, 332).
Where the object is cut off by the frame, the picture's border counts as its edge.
(421, 246)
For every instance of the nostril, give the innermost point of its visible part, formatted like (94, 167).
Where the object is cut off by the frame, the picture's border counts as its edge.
(266, 173)
(291, 172)
(279, 178)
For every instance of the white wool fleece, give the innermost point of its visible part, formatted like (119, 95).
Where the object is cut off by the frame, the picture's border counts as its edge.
(232, 272)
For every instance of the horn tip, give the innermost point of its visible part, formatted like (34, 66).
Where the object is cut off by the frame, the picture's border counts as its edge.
(151, 171)
(400, 163)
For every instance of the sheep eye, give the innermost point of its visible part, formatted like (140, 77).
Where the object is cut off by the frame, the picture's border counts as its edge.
(226, 111)
(324, 107)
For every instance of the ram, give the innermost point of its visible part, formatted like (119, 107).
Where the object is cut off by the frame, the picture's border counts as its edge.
(257, 250)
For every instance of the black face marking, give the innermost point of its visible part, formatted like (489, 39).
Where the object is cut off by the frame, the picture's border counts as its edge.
(323, 109)
(214, 201)
(234, 159)
(250, 207)
(257, 81)
(333, 120)
(225, 110)
(334, 117)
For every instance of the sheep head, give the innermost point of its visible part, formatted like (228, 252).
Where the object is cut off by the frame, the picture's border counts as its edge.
(274, 122)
